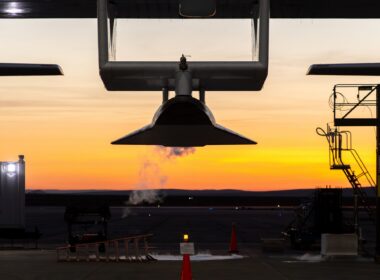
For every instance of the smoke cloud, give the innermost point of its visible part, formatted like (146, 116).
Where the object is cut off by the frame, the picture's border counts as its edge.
(151, 178)
(140, 196)
(174, 152)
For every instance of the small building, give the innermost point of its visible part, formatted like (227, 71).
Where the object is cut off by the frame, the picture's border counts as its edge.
(12, 194)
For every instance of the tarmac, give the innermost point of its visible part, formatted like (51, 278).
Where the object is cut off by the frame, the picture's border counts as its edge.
(42, 265)
(209, 229)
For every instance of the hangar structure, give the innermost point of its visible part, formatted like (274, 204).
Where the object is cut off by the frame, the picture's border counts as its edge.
(199, 76)
(206, 75)
(169, 8)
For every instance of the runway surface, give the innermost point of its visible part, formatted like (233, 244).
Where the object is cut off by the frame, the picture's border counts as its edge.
(209, 228)
(42, 265)
(206, 226)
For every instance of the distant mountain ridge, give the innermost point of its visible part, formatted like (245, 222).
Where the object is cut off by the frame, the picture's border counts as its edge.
(207, 192)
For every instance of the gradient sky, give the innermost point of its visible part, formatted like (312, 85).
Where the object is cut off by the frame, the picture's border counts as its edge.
(64, 125)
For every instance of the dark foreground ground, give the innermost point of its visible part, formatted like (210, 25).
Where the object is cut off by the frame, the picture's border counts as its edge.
(41, 265)
(209, 228)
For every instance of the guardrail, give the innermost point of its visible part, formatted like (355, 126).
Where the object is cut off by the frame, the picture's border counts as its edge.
(128, 249)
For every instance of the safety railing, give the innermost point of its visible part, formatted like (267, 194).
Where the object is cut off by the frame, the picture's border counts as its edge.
(346, 99)
(128, 249)
(337, 146)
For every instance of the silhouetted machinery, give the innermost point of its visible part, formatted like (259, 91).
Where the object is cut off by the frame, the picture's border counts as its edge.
(86, 224)
(328, 216)
(322, 214)
(184, 121)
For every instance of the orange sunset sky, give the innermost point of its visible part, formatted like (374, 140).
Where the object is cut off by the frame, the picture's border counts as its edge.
(64, 125)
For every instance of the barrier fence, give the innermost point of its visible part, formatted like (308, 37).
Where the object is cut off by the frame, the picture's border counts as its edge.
(128, 249)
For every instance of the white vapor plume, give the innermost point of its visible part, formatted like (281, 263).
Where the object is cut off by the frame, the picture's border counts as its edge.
(141, 196)
(151, 178)
(150, 175)
(174, 152)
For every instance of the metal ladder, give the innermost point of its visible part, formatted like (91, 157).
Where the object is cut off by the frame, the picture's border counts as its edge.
(341, 142)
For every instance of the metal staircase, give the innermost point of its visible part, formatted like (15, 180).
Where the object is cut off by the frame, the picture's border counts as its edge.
(340, 143)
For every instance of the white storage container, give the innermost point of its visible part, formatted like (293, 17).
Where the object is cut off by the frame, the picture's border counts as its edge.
(339, 244)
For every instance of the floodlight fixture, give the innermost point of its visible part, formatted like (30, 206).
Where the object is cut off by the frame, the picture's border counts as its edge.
(11, 167)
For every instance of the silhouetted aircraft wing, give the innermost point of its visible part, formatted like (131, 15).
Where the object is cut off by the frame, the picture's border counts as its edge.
(169, 8)
(346, 69)
(22, 69)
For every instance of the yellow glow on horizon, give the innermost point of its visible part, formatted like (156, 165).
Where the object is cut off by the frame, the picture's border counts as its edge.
(64, 125)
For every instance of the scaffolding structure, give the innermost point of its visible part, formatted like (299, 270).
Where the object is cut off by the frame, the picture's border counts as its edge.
(350, 112)
(360, 179)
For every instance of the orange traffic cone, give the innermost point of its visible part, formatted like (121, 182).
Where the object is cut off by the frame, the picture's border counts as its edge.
(233, 242)
(186, 268)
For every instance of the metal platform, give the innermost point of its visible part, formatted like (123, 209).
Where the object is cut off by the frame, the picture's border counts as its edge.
(340, 166)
